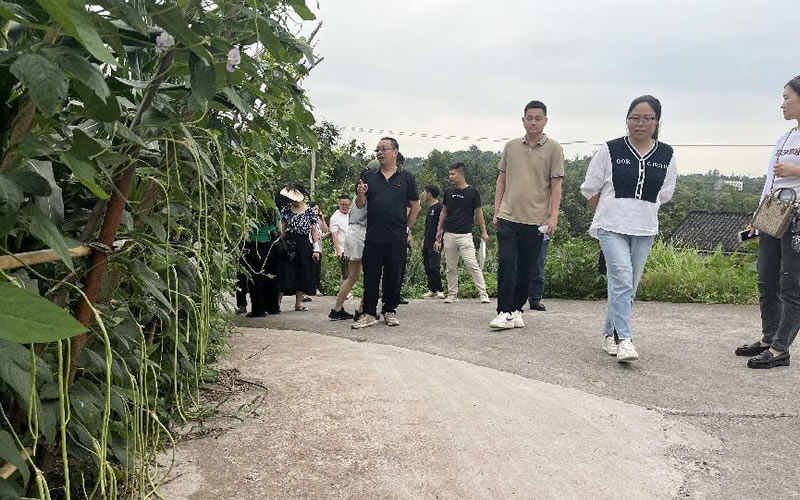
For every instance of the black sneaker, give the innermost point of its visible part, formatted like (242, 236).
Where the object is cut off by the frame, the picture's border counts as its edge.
(339, 315)
(768, 360)
(257, 314)
(241, 310)
(403, 301)
(357, 315)
(753, 349)
(537, 306)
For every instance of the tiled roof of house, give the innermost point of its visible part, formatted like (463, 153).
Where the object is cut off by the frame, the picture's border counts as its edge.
(706, 231)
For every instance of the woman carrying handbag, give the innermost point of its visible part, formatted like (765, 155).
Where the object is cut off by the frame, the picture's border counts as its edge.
(779, 254)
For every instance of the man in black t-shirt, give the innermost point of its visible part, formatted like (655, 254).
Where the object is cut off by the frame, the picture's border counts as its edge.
(462, 205)
(432, 259)
(387, 192)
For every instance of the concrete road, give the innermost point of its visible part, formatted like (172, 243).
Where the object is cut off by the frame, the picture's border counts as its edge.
(442, 407)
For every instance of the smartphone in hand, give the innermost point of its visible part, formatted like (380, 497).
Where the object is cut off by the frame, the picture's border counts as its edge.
(745, 235)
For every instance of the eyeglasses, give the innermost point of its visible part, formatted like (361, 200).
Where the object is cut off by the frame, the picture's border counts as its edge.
(383, 150)
(642, 119)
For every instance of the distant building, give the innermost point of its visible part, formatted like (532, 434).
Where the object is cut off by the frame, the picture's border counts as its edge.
(737, 185)
(706, 231)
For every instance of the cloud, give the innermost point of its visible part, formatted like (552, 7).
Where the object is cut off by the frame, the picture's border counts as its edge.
(467, 69)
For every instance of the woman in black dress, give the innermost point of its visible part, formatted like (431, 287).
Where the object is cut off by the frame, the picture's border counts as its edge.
(298, 221)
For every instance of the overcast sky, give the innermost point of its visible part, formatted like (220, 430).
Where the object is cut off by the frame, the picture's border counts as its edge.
(468, 69)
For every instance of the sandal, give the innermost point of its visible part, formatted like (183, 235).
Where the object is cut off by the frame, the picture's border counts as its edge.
(768, 360)
(753, 349)
(300, 308)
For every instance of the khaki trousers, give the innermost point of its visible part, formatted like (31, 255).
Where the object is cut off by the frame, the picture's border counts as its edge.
(462, 244)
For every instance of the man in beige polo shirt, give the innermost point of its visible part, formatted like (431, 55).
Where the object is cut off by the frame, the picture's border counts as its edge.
(526, 203)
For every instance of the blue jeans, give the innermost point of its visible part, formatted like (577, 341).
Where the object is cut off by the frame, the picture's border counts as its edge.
(625, 259)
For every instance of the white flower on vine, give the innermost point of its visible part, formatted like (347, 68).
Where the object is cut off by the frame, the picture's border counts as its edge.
(234, 59)
(164, 41)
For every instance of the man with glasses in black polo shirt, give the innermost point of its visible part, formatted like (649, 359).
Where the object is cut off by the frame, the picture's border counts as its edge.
(388, 192)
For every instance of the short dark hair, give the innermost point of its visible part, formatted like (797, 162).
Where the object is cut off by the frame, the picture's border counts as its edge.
(393, 141)
(459, 165)
(344, 196)
(535, 105)
(653, 103)
(433, 190)
(312, 203)
(401, 160)
(794, 84)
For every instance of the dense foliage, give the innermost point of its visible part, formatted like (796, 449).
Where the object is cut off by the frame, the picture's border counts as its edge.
(182, 113)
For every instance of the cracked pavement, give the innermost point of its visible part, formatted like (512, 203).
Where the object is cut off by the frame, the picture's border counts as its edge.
(688, 420)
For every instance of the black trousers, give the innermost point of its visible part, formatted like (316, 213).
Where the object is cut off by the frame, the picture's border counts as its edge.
(383, 262)
(779, 290)
(518, 249)
(432, 260)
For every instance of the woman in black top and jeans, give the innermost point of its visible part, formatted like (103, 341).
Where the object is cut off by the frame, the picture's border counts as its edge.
(298, 220)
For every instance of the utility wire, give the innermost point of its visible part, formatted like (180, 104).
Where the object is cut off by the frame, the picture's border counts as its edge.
(503, 140)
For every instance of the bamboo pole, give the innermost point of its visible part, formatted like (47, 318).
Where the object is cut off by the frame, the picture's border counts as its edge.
(39, 257)
(9, 469)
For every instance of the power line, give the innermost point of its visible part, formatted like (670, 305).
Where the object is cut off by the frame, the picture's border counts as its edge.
(503, 140)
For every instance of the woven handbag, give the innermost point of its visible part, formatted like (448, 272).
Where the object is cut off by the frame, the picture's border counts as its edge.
(774, 214)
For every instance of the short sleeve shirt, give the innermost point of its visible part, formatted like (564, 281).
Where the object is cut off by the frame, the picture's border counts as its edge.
(388, 200)
(461, 205)
(298, 223)
(529, 169)
(431, 225)
(339, 225)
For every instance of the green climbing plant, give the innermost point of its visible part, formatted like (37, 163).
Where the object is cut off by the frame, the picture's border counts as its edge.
(182, 114)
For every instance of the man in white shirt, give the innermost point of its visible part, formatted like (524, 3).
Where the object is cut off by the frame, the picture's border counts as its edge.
(340, 221)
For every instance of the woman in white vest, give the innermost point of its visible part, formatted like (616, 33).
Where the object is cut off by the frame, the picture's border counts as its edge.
(628, 180)
(779, 259)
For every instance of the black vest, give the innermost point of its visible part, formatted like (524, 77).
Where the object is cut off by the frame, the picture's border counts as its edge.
(635, 176)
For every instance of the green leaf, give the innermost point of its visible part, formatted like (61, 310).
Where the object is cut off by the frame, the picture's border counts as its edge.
(85, 172)
(124, 11)
(77, 22)
(95, 108)
(30, 182)
(77, 66)
(28, 318)
(52, 205)
(10, 195)
(16, 13)
(40, 226)
(10, 453)
(153, 283)
(45, 81)
(203, 80)
(169, 16)
(128, 135)
(7, 492)
(237, 100)
(84, 146)
(302, 10)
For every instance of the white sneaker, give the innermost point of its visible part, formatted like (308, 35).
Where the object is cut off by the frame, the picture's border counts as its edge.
(610, 345)
(364, 321)
(503, 321)
(626, 352)
(391, 319)
(485, 299)
(349, 296)
(429, 295)
(440, 295)
(450, 299)
(516, 317)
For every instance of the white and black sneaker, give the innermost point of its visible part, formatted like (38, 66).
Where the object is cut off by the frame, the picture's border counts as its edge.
(626, 352)
(503, 321)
